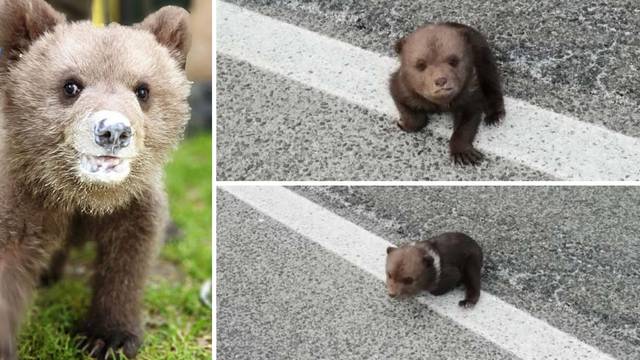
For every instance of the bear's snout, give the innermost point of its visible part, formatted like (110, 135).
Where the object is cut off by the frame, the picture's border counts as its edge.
(112, 131)
(112, 135)
(106, 143)
(441, 81)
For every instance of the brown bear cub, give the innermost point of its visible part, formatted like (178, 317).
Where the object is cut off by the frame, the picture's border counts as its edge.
(88, 118)
(436, 265)
(448, 67)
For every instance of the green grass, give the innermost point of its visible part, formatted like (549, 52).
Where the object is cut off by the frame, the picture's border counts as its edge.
(178, 326)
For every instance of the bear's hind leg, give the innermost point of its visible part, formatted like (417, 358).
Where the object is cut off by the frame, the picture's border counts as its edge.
(471, 282)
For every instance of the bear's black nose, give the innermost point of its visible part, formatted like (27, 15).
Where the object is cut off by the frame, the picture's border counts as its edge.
(441, 81)
(112, 135)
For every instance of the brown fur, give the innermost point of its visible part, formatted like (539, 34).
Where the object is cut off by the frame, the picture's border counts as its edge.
(44, 204)
(436, 265)
(448, 67)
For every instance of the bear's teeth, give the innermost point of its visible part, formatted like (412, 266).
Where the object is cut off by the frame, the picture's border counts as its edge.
(98, 163)
(104, 169)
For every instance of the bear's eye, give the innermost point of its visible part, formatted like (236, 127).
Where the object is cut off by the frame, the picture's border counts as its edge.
(407, 281)
(142, 92)
(421, 65)
(72, 88)
(453, 61)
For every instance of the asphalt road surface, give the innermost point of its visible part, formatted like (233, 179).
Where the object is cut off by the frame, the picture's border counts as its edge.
(579, 60)
(565, 255)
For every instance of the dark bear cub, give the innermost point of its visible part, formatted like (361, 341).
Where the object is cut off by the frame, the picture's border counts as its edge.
(448, 67)
(88, 118)
(436, 265)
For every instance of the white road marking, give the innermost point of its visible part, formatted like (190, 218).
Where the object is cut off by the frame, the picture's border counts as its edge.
(506, 326)
(561, 146)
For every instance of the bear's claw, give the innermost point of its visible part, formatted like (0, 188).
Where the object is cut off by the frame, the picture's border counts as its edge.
(114, 344)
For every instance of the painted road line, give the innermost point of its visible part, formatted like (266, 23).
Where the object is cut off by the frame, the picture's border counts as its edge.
(504, 325)
(561, 146)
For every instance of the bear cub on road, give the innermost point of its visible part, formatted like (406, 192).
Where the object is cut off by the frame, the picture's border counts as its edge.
(436, 265)
(448, 67)
(88, 117)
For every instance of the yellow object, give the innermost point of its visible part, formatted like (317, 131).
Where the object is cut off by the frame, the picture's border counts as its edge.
(114, 10)
(98, 12)
(105, 11)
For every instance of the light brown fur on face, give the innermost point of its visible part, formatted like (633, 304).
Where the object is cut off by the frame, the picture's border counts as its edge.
(407, 271)
(109, 72)
(436, 62)
(49, 197)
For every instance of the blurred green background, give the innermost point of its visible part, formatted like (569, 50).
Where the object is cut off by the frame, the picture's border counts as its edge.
(177, 324)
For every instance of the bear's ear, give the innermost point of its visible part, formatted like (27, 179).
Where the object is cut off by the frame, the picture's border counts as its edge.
(390, 249)
(22, 22)
(170, 25)
(398, 46)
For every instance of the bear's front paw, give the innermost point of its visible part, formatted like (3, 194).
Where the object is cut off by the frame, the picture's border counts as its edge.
(412, 124)
(466, 303)
(494, 117)
(467, 156)
(109, 344)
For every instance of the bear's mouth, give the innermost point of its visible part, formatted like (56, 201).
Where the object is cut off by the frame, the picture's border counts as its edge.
(443, 96)
(104, 169)
(444, 93)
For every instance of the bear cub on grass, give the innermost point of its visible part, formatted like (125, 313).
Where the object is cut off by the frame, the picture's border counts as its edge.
(88, 118)
(448, 67)
(436, 265)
